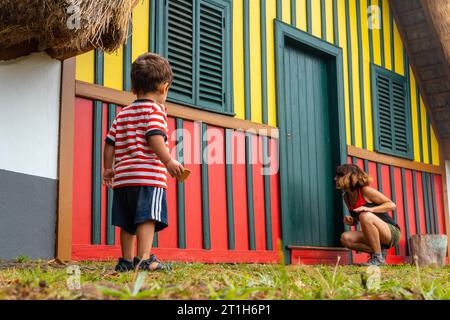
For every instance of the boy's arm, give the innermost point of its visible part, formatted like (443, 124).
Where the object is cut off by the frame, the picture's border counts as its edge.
(108, 159)
(158, 146)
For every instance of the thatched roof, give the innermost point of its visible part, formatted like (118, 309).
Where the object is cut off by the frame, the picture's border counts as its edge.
(64, 27)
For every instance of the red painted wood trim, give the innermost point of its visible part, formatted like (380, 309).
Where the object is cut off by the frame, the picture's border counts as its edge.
(82, 166)
(258, 194)
(439, 203)
(105, 130)
(314, 256)
(275, 196)
(400, 209)
(103, 252)
(411, 214)
(217, 188)
(421, 204)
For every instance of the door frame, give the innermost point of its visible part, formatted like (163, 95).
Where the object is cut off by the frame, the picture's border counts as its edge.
(334, 56)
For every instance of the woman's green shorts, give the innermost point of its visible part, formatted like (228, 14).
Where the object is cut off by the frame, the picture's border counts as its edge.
(395, 235)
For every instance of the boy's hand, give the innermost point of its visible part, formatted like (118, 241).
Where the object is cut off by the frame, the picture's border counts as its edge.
(108, 176)
(174, 168)
(348, 220)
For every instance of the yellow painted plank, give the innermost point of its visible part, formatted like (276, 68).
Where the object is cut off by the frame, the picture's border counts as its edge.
(366, 73)
(238, 59)
(434, 148)
(375, 15)
(399, 57)
(255, 61)
(271, 14)
(329, 20)
(414, 115)
(316, 13)
(85, 67)
(285, 10)
(141, 20)
(343, 43)
(113, 64)
(301, 15)
(423, 121)
(355, 74)
(387, 35)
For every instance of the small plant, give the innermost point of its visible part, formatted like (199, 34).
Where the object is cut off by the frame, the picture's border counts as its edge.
(22, 259)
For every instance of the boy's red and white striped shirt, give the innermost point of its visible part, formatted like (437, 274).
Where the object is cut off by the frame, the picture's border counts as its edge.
(135, 163)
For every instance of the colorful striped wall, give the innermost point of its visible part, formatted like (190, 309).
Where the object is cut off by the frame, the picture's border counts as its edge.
(341, 22)
(419, 199)
(222, 213)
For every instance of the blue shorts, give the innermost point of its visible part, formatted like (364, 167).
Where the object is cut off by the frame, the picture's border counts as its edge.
(137, 204)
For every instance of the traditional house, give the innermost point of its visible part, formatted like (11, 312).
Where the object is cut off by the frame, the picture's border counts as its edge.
(306, 84)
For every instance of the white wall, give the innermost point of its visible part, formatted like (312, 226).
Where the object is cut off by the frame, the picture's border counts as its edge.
(29, 115)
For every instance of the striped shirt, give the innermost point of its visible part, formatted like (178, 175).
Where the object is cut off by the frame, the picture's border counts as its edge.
(135, 163)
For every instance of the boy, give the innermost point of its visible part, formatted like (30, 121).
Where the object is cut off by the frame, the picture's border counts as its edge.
(137, 146)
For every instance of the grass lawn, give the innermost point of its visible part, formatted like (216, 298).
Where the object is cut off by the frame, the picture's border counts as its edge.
(24, 279)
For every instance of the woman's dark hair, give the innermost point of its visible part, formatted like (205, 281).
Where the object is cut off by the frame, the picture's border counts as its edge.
(350, 177)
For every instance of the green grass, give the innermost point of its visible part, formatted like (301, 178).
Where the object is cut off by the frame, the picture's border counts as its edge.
(27, 279)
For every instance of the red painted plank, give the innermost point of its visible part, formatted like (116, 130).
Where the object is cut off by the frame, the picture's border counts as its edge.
(386, 184)
(103, 252)
(168, 238)
(439, 203)
(82, 176)
(258, 193)
(240, 192)
(411, 214)
(400, 209)
(275, 195)
(193, 206)
(420, 203)
(373, 173)
(308, 256)
(217, 189)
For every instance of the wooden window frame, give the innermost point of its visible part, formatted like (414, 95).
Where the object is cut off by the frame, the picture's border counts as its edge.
(376, 70)
(160, 46)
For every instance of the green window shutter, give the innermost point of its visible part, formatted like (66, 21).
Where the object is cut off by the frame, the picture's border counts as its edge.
(180, 48)
(392, 127)
(196, 37)
(211, 56)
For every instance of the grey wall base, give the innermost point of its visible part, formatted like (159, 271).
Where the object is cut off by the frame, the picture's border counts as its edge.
(27, 216)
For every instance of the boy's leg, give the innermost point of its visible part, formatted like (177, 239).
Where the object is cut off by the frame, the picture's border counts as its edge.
(127, 245)
(145, 232)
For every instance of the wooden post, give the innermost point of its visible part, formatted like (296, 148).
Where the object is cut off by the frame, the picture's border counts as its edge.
(65, 168)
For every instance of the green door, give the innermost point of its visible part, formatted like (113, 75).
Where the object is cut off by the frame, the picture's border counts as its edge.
(311, 212)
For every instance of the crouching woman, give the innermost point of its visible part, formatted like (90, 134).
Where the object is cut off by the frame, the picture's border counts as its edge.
(370, 208)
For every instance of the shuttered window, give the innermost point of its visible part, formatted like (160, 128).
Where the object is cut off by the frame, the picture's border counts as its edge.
(197, 42)
(392, 115)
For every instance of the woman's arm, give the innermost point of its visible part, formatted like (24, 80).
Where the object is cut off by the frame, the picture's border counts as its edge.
(372, 195)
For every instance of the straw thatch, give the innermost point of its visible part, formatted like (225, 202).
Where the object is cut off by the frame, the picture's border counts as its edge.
(53, 24)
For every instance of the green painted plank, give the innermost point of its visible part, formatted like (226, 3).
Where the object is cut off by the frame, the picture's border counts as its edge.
(370, 36)
(250, 200)
(247, 79)
(265, 116)
(180, 187)
(205, 189)
(99, 67)
(379, 178)
(433, 202)
(361, 75)
(152, 26)
(110, 229)
(405, 210)
(430, 154)
(309, 16)
(97, 173)
(419, 121)
(229, 187)
(293, 12)
(350, 78)
(279, 9)
(335, 23)
(416, 203)
(127, 53)
(323, 21)
(393, 198)
(267, 200)
(426, 198)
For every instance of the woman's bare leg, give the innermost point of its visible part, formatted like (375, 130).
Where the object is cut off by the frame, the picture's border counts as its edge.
(375, 231)
(355, 240)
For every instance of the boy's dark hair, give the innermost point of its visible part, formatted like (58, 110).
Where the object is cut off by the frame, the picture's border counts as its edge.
(148, 71)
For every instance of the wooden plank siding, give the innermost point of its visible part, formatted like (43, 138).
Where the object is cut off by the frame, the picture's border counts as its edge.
(238, 217)
(254, 78)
